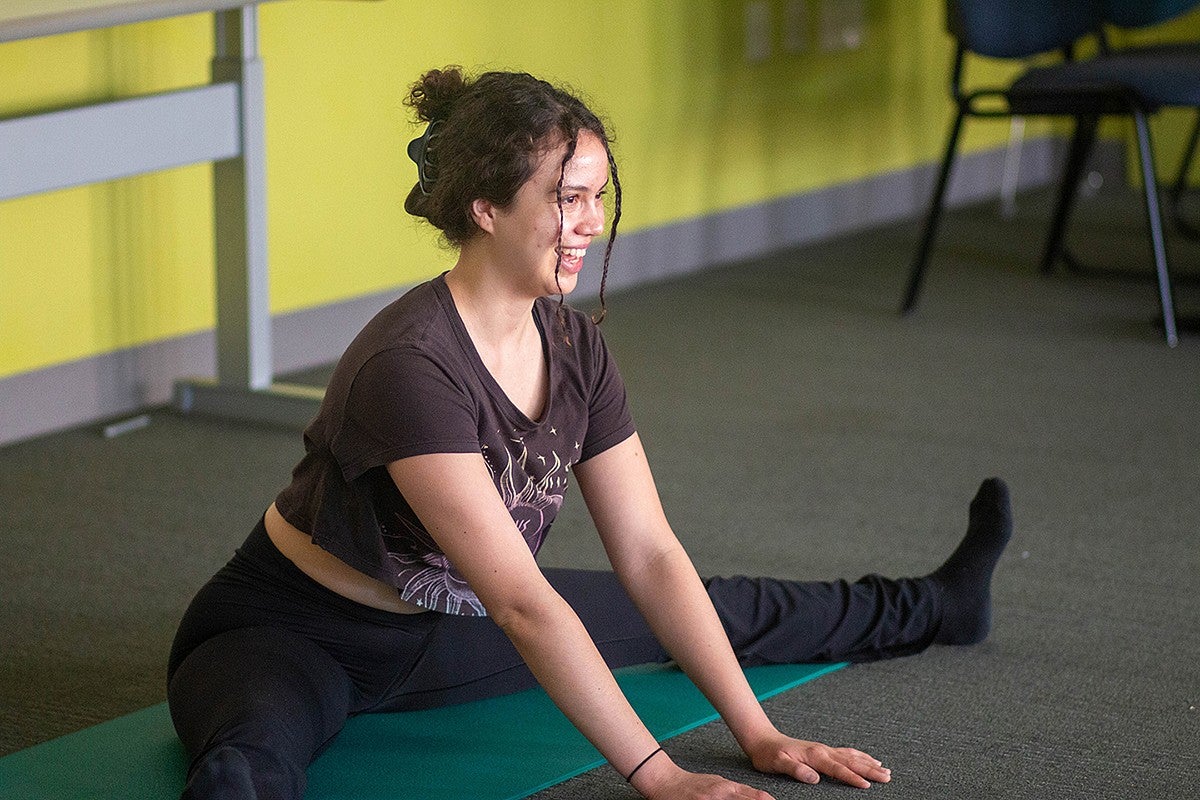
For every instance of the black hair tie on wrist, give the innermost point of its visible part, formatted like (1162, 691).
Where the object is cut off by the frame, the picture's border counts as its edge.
(629, 777)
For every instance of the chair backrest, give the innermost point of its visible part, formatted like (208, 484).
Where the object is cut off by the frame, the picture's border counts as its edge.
(1019, 28)
(1140, 13)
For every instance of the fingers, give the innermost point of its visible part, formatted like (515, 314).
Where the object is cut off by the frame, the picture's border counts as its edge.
(865, 765)
(750, 793)
(738, 791)
(807, 763)
(795, 768)
(852, 767)
(843, 773)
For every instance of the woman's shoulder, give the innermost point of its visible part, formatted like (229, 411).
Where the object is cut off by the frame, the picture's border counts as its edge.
(410, 330)
(414, 319)
(405, 343)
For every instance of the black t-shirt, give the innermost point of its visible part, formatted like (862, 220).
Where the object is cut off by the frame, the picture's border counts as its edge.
(412, 383)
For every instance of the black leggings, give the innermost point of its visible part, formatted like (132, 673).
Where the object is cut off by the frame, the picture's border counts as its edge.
(268, 664)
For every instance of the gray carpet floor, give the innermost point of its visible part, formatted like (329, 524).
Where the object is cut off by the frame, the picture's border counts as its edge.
(797, 427)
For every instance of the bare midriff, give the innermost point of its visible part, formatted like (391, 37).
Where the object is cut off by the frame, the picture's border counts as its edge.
(330, 571)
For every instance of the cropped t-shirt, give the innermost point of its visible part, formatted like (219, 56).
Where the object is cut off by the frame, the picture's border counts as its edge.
(412, 383)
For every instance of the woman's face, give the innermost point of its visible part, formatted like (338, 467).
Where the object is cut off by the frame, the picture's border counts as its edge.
(527, 230)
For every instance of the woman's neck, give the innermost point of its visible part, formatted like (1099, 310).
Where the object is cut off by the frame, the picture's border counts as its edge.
(495, 316)
(506, 338)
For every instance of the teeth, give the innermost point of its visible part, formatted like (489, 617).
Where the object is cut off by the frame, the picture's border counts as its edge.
(574, 252)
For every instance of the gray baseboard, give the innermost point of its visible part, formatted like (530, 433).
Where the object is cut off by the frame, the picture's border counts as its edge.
(124, 382)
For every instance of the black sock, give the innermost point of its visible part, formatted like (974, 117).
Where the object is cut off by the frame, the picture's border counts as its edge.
(966, 577)
(225, 774)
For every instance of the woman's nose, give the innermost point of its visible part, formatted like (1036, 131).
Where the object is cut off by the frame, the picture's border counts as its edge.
(592, 222)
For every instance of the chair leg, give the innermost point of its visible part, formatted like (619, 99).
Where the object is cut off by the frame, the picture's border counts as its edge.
(1011, 176)
(921, 259)
(1180, 185)
(1154, 213)
(1077, 158)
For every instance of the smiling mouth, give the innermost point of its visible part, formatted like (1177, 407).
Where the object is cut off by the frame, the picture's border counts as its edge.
(570, 259)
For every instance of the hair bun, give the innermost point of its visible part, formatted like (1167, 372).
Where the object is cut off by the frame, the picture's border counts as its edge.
(434, 95)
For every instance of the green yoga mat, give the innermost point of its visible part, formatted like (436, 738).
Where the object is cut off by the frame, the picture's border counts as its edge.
(499, 749)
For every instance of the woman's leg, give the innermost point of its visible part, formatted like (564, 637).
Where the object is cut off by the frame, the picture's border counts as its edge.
(771, 621)
(471, 658)
(266, 667)
(774, 621)
(253, 707)
(768, 620)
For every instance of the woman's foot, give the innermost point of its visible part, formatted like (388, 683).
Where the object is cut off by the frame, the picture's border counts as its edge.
(966, 577)
(224, 773)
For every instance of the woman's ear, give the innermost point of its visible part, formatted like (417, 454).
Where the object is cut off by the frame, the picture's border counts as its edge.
(484, 214)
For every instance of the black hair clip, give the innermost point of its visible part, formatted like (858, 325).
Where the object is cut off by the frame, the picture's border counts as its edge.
(418, 151)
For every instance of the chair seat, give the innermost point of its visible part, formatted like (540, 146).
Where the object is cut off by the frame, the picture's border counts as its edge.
(1153, 77)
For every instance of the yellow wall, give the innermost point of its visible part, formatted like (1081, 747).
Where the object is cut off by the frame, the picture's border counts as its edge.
(94, 269)
(89, 270)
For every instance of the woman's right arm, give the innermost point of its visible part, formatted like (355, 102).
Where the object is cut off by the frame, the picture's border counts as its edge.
(454, 497)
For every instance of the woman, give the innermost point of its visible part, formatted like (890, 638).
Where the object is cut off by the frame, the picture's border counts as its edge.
(397, 569)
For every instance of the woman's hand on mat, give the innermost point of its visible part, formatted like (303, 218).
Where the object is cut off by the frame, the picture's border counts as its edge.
(808, 761)
(674, 783)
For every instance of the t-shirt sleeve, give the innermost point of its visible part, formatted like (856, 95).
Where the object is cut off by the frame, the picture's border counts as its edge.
(609, 419)
(400, 404)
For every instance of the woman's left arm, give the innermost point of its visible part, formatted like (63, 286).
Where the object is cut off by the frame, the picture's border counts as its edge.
(658, 575)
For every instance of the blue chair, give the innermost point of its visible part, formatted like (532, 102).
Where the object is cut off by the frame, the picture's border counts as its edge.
(1144, 13)
(1127, 84)
(1133, 14)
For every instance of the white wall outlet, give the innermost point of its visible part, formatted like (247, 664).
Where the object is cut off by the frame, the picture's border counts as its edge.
(758, 31)
(843, 24)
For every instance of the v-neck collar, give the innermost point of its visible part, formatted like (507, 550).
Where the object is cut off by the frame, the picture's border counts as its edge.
(482, 372)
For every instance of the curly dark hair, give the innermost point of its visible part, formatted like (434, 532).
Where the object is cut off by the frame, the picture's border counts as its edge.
(491, 133)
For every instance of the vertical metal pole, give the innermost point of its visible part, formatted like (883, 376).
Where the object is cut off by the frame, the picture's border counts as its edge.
(1012, 168)
(920, 261)
(240, 213)
(1158, 245)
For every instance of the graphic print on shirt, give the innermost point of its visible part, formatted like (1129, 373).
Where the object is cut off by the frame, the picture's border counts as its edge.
(531, 486)
(528, 501)
(429, 579)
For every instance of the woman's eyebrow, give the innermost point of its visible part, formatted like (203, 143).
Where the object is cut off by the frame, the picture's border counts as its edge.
(581, 188)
